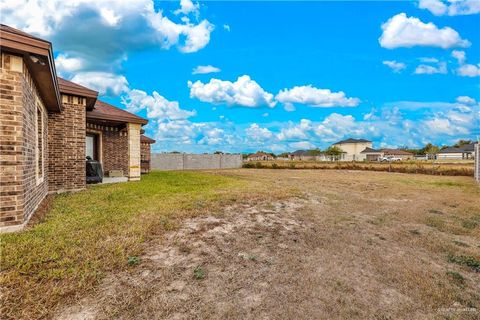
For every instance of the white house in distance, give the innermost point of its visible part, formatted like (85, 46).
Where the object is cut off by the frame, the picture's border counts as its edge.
(352, 149)
(376, 155)
(463, 152)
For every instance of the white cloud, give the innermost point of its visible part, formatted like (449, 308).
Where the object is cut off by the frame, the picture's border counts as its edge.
(315, 97)
(243, 92)
(402, 31)
(226, 27)
(466, 100)
(337, 126)
(394, 65)
(187, 6)
(134, 26)
(292, 132)
(156, 105)
(450, 7)
(429, 60)
(256, 133)
(459, 55)
(441, 68)
(104, 82)
(469, 70)
(65, 64)
(205, 69)
(304, 145)
(197, 36)
(465, 70)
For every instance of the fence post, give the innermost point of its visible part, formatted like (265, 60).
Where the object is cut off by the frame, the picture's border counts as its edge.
(477, 162)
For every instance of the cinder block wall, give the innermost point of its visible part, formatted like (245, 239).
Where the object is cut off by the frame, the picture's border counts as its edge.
(66, 144)
(23, 183)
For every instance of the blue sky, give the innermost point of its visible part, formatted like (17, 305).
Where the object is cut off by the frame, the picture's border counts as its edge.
(287, 75)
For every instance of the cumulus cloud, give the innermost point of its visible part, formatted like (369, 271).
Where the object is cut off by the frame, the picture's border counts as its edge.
(459, 55)
(156, 105)
(205, 69)
(134, 26)
(450, 7)
(243, 92)
(105, 83)
(441, 68)
(257, 133)
(226, 27)
(402, 31)
(394, 65)
(315, 97)
(187, 6)
(464, 69)
(469, 70)
(65, 64)
(293, 132)
(466, 100)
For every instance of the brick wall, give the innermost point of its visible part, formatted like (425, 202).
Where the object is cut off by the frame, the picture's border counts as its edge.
(66, 144)
(113, 147)
(145, 157)
(23, 182)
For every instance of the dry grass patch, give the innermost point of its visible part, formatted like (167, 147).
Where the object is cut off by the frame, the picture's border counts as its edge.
(86, 235)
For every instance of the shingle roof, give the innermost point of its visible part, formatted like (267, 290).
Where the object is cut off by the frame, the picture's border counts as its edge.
(370, 150)
(146, 139)
(396, 151)
(300, 153)
(73, 88)
(351, 140)
(259, 154)
(105, 111)
(452, 150)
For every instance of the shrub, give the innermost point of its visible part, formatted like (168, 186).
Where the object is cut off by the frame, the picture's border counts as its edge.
(248, 165)
(275, 166)
(258, 165)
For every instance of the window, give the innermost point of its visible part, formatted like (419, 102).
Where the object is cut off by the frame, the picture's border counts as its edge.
(40, 144)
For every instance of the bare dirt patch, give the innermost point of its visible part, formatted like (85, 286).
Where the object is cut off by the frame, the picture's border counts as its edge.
(356, 245)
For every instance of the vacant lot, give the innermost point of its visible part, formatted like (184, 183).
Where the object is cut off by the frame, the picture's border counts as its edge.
(288, 244)
(437, 167)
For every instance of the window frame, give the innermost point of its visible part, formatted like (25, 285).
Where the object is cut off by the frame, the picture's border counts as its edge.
(39, 153)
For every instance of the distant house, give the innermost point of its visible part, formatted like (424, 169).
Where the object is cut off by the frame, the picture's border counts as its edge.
(375, 155)
(353, 148)
(457, 153)
(260, 156)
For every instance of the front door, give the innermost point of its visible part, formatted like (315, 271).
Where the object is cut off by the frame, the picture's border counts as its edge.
(91, 145)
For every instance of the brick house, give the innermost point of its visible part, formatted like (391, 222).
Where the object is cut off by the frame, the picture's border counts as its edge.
(145, 152)
(48, 126)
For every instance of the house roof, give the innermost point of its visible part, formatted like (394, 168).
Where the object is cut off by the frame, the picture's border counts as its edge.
(371, 150)
(37, 55)
(396, 151)
(452, 150)
(107, 113)
(75, 89)
(299, 153)
(258, 154)
(351, 140)
(469, 147)
(146, 139)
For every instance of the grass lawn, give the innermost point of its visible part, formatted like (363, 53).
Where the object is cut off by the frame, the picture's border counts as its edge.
(87, 234)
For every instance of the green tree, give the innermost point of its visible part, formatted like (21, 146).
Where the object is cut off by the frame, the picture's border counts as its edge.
(462, 143)
(334, 152)
(314, 152)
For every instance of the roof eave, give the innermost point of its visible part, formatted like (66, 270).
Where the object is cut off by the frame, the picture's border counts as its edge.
(43, 75)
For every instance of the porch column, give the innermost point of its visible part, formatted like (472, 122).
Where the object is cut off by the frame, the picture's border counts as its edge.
(133, 151)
